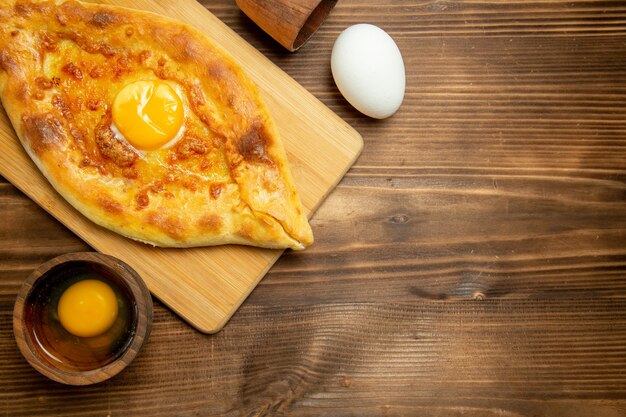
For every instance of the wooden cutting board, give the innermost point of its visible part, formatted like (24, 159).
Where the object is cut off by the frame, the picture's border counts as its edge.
(205, 286)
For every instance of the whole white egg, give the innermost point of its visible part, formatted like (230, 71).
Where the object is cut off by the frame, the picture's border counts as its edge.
(369, 71)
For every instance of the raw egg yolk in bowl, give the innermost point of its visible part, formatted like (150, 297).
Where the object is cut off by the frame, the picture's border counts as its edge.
(88, 308)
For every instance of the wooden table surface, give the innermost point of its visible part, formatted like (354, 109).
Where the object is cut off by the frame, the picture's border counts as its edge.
(473, 261)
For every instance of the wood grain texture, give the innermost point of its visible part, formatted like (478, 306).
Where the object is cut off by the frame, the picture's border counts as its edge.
(472, 263)
(206, 285)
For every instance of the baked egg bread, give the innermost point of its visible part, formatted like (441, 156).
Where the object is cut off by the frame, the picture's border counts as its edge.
(146, 126)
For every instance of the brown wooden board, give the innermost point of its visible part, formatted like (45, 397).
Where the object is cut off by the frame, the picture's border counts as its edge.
(205, 286)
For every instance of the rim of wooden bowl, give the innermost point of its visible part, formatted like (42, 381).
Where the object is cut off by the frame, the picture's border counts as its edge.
(290, 22)
(313, 23)
(143, 301)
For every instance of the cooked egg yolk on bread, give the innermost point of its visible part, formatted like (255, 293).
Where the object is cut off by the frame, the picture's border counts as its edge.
(148, 114)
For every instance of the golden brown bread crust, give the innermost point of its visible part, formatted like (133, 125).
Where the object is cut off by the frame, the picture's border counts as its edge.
(225, 181)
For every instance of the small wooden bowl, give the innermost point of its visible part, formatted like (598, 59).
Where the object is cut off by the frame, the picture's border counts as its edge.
(290, 22)
(66, 358)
